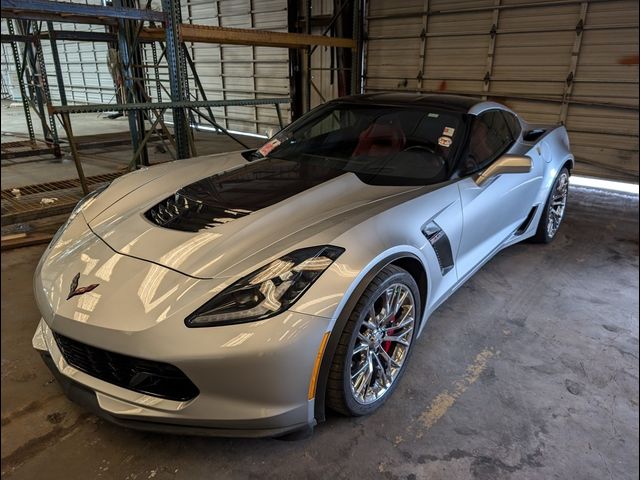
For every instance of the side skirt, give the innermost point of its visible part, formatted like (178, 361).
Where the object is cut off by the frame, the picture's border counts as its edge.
(508, 242)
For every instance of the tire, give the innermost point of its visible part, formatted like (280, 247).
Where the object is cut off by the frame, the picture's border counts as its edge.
(545, 232)
(391, 283)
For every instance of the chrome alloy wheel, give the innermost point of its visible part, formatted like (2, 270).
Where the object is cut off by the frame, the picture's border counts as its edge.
(557, 204)
(382, 343)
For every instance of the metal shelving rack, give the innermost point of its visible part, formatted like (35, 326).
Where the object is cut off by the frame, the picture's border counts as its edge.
(129, 26)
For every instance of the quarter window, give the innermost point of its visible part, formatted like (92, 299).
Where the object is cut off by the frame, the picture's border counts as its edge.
(513, 123)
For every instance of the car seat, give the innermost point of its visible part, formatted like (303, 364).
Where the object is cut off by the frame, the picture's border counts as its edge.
(479, 147)
(380, 139)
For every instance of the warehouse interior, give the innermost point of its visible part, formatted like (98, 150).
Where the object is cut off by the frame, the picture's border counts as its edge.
(530, 370)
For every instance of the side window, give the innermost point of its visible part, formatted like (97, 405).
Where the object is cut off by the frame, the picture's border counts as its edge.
(490, 137)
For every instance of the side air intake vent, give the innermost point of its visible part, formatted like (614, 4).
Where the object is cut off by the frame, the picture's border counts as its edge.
(525, 225)
(441, 245)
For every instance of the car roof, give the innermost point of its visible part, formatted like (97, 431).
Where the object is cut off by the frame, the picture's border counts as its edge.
(454, 103)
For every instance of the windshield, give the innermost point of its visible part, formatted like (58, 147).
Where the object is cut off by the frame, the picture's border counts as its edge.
(383, 145)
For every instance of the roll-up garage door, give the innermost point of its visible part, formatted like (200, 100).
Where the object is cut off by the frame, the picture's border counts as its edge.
(552, 61)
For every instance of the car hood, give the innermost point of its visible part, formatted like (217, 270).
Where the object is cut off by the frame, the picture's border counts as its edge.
(80, 282)
(201, 221)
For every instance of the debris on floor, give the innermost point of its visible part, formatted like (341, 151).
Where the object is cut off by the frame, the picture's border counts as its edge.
(48, 201)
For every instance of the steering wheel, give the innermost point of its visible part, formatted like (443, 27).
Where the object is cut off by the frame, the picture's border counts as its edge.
(426, 159)
(421, 148)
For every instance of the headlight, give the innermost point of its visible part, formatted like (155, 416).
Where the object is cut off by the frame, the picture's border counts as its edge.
(268, 291)
(81, 205)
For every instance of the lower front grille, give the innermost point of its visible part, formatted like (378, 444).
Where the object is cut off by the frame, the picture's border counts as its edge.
(144, 376)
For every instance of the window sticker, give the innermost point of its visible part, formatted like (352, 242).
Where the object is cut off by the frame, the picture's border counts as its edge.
(433, 115)
(448, 131)
(267, 147)
(445, 141)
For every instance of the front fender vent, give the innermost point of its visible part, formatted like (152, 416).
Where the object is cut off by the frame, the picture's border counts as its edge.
(441, 246)
(527, 222)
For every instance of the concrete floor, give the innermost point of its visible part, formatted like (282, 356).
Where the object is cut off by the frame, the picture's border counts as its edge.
(530, 371)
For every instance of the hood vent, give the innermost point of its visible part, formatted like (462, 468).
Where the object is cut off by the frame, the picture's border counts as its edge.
(181, 213)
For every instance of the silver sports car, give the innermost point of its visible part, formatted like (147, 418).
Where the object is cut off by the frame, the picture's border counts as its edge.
(244, 293)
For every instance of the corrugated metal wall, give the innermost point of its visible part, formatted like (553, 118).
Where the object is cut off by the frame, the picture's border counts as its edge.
(6, 70)
(84, 66)
(238, 71)
(550, 60)
(9, 78)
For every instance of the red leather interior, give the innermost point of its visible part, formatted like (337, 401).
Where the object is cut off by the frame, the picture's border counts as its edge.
(379, 140)
(479, 146)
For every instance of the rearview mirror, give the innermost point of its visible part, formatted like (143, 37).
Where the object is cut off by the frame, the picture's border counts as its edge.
(505, 164)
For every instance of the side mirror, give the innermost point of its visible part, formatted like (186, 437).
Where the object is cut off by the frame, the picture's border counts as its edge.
(505, 164)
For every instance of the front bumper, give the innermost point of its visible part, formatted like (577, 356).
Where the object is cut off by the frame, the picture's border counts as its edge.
(87, 399)
(257, 388)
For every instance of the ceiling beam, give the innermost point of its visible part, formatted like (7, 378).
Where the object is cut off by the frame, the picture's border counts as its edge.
(241, 36)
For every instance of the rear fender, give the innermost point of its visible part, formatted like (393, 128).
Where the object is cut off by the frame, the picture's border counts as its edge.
(555, 149)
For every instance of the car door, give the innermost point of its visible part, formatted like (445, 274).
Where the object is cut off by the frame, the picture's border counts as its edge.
(493, 211)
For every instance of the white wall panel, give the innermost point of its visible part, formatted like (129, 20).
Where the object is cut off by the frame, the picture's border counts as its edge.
(83, 65)
(238, 71)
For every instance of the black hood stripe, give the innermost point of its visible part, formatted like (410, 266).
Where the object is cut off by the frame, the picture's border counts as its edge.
(233, 194)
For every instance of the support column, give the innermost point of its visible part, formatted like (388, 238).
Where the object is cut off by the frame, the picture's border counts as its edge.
(356, 54)
(223, 82)
(130, 55)
(492, 48)
(253, 65)
(295, 62)
(156, 71)
(344, 23)
(177, 75)
(56, 63)
(46, 94)
(23, 91)
(307, 65)
(423, 44)
(32, 69)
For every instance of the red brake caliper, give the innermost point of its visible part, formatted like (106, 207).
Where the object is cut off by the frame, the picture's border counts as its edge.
(387, 345)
